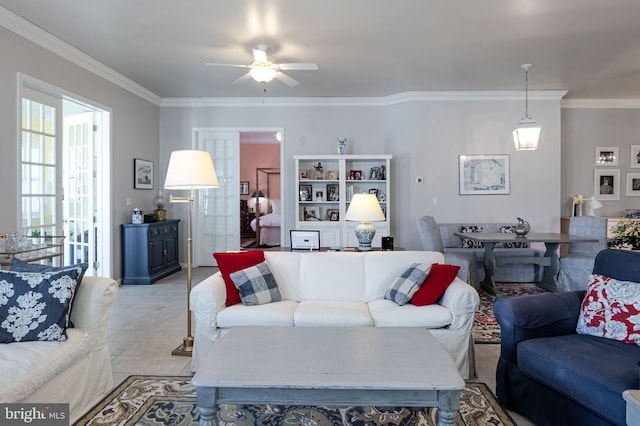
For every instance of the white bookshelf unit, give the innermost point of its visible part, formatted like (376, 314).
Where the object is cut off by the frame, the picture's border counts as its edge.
(323, 196)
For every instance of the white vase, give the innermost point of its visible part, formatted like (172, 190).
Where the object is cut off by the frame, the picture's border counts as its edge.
(342, 145)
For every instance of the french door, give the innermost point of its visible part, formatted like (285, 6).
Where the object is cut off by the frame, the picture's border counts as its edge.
(218, 212)
(65, 189)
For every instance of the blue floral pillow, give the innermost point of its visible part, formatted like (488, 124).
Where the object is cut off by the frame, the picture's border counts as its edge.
(35, 306)
(22, 266)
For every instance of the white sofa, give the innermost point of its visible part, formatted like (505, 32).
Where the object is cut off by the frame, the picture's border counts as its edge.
(78, 371)
(339, 289)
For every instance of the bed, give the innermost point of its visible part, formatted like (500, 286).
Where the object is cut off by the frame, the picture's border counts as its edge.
(267, 226)
(269, 229)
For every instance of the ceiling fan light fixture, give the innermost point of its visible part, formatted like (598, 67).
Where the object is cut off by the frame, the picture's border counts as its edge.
(262, 74)
(527, 133)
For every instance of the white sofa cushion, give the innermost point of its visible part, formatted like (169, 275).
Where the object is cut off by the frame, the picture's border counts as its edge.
(386, 313)
(276, 313)
(325, 276)
(285, 267)
(27, 366)
(332, 313)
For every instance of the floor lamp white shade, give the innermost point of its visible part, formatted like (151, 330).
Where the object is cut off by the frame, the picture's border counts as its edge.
(364, 208)
(189, 169)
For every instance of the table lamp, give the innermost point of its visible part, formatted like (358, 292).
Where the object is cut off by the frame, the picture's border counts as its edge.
(189, 169)
(364, 208)
(594, 205)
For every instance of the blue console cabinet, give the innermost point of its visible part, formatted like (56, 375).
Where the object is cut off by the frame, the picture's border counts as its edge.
(149, 251)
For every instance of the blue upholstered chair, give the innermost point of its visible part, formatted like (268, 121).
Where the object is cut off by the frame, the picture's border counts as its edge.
(576, 266)
(432, 241)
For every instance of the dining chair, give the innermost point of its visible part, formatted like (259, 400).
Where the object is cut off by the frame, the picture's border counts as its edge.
(577, 264)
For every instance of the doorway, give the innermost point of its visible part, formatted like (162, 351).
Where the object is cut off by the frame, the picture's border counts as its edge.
(218, 221)
(65, 190)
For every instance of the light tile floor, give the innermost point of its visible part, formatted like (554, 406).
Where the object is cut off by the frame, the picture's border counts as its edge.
(148, 321)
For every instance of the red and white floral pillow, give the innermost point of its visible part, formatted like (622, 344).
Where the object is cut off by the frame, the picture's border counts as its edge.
(611, 309)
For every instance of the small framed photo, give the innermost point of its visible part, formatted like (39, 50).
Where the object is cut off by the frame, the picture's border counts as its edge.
(318, 195)
(633, 184)
(244, 187)
(373, 191)
(305, 192)
(607, 156)
(305, 240)
(483, 174)
(355, 174)
(606, 184)
(333, 175)
(304, 174)
(635, 156)
(333, 215)
(142, 174)
(373, 173)
(333, 192)
(312, 213)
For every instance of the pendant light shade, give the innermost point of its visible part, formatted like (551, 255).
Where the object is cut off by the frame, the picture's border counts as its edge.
(527, 133)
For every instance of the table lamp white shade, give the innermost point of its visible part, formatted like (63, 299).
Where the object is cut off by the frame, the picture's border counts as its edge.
(594, 205)
(190, 169)
(364, 208)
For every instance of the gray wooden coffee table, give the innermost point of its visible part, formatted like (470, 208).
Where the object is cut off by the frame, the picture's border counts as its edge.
(331, 366)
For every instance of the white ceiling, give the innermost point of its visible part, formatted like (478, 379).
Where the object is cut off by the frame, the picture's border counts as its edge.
(362, 47)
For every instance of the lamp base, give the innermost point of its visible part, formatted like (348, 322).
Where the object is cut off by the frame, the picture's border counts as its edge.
(185, 349)
(365, 232)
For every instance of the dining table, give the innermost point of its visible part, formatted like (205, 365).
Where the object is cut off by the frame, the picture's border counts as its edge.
(549, 261)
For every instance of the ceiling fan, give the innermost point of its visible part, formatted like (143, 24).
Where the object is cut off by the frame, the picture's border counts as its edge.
(263, 70)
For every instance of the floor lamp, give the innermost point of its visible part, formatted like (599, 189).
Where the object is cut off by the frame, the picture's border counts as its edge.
(189, 169)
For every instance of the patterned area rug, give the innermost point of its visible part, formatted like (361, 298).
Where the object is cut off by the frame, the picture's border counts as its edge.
(485, 326)
(171, 400)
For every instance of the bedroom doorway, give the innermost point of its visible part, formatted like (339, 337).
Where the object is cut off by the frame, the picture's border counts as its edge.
(236, 154)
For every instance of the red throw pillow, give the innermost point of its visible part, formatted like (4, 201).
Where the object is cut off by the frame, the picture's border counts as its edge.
(228, 263)
(432, 289)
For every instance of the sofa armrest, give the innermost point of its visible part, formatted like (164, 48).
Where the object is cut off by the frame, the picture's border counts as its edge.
(536, 315)
(92, 304)
(207, 299)
(462, 300)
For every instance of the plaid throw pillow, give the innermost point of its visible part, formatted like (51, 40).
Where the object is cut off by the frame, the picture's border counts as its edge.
(405, 286)
(256, 285)
(516, 244)
(471, 229)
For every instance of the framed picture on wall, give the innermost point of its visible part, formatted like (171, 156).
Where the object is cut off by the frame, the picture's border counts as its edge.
(244, 187)
(635, 156)
(607, 156)
(483, 174)
(142, 174)
(606, 184)
(633, 184)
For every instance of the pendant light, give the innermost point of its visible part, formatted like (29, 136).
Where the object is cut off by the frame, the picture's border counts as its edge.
(526, 135)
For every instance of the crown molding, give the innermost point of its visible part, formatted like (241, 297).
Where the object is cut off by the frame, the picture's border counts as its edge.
(546, 95)
(601, 103)
(29, 31)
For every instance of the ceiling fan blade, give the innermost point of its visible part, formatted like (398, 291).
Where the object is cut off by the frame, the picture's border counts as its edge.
(245, 77)
(260, 56)
(298, 66)
(226, 65)
(286, 79)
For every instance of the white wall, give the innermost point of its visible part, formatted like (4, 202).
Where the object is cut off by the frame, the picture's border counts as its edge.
(425, 138)
(134, 130)
(584, 129)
